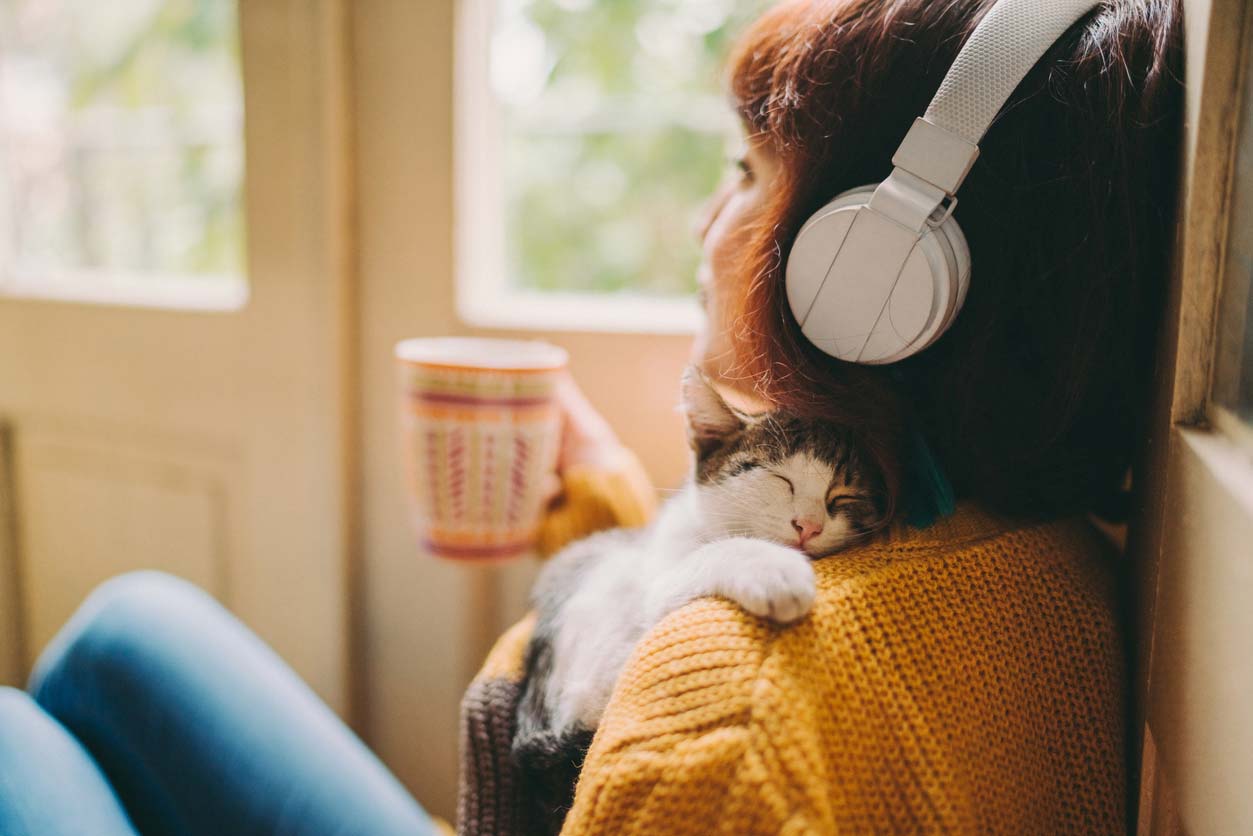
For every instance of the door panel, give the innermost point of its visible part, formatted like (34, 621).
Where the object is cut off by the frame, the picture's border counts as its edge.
(11, 643)
(97, 502)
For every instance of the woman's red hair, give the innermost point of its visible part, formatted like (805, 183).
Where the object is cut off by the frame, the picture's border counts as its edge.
(1033, 401)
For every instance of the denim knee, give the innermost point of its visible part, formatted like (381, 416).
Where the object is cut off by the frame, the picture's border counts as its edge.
(25, 729)
(114, 629)
(17, 710)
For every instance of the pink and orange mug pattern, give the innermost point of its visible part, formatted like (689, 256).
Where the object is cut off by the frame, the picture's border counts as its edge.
(479, 445)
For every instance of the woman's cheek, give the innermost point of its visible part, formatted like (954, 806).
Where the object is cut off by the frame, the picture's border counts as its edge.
(712, 350)
(725, 245)
(729, 235)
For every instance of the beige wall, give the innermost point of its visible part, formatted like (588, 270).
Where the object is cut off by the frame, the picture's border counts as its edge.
(424, 622)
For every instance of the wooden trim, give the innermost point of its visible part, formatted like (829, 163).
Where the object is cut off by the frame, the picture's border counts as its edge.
(1213, 31)
(301, 317)
(1206, 208)
(12, 632)
(341, 221)
(1187, 345)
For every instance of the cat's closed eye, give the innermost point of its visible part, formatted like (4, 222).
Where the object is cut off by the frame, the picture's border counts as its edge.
(790, 487)
(845, 500)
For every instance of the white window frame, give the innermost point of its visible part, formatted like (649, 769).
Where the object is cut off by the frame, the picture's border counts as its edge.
(222, 294)
(485, 296)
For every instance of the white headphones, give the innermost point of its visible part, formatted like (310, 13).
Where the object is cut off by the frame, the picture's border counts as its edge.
(879, 273)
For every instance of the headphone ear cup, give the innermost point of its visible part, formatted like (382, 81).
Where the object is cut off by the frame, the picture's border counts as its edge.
(962, 249)
(815, 248)
(953, 241)
(838, 309)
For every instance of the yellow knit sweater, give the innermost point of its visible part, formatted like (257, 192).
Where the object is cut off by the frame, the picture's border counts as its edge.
(963, 679)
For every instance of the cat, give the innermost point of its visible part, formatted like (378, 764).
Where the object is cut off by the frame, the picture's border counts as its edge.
(769, 493)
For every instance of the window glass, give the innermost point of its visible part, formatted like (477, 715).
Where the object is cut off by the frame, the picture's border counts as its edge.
(121, 140)
(615, 130)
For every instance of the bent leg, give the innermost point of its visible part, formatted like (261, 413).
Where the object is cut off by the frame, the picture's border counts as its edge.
(202, 729)
(49, 785)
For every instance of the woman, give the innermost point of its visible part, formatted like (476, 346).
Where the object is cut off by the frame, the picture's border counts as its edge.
(963, 676)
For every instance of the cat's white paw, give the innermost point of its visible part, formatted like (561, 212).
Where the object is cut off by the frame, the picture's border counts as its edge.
(764, 578)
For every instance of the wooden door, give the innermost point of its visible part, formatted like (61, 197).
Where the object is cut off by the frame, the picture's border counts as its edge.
(205, 431)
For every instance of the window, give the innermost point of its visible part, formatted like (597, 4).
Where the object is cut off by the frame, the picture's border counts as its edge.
(589, 134)
(1232, 394)
(121, 151)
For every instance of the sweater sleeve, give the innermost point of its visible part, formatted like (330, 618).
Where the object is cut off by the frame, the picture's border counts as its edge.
(489, 800)
(616, 493)
(679, 751)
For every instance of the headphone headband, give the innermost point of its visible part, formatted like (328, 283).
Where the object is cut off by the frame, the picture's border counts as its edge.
(1006, 44)
(881, 272)
(942, 146)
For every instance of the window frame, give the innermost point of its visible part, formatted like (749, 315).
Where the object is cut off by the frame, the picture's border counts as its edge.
(1234, 431)
(1195, 520)
(108, 288)
(484, 296)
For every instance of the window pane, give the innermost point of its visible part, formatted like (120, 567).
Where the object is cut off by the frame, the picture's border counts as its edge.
(1233, 364)
(121, 140)
(615, 132)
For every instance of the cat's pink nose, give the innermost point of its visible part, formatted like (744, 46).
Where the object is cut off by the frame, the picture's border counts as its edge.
(806, 529)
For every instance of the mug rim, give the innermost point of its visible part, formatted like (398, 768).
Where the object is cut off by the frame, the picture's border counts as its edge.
(407, 351)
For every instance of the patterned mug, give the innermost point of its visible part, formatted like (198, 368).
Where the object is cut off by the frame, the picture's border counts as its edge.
(480, 431)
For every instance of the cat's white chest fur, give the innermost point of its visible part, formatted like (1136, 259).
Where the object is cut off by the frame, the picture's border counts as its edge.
(634, 584)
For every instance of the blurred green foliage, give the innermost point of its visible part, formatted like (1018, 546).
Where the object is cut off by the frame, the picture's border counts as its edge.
(122, 135)
(128, 154)
(616, 130)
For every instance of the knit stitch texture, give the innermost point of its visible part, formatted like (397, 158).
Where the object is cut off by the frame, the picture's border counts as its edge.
(963, 679)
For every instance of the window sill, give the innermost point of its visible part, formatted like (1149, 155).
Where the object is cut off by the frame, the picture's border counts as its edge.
(608, 313)
(179, 293)
(1229, 424)
(1227, 461)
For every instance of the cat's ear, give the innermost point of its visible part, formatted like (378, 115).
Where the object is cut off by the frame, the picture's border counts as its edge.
(710, 420)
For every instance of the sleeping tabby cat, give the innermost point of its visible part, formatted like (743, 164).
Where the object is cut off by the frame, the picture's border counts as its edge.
(769, 493)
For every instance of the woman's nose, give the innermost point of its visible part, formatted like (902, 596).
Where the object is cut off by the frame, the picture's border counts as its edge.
(705, 219)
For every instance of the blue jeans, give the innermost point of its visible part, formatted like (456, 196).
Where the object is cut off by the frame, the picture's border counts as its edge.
(154, 711)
